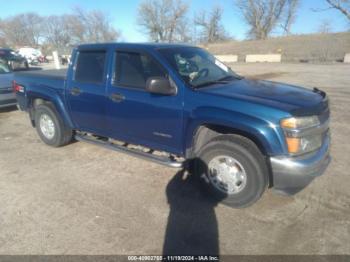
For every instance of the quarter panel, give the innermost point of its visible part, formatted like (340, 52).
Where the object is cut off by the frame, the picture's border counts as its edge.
(52, 90)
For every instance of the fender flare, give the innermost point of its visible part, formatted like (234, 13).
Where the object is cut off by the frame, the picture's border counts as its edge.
(266, 136)
(48, 94)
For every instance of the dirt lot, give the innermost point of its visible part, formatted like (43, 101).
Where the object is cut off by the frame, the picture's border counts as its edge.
(82, 199)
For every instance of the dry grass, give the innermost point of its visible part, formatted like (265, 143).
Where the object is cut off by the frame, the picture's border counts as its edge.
(297, 48)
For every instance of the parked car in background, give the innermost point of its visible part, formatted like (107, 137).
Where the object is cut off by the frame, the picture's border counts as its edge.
(43, 59)
(7, 96)
(14, 60)
(33, 55)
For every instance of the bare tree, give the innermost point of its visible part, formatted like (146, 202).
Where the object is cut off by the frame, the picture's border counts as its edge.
(341, 5)
(2, 42)
(2, 36)
(163, 20)
(325, 27)
(262, 16)
(57, 33)
(94, 26)
(184, 33)
(289, 15)
(23, 29)
(210, 25)
(325, 51)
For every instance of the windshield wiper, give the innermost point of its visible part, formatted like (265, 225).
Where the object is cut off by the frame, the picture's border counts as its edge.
(223, 80)
(230, 77)
(211, 83)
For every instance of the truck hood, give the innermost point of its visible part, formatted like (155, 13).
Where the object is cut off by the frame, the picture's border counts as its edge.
(293, 99)
(6, 80)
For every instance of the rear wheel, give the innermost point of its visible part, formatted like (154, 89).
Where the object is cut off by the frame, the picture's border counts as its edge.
(50, 127)
(232, 170)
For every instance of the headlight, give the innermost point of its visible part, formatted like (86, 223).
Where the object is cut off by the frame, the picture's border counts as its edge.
(302, 145)
(300, 122)
(297, 144)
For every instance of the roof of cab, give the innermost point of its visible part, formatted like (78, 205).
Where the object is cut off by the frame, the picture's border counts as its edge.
(132, 45)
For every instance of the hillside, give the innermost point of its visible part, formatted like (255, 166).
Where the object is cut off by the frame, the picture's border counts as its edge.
(295, 48)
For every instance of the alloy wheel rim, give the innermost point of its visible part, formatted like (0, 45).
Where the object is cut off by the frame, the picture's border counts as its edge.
(227, 174)
(47, 126)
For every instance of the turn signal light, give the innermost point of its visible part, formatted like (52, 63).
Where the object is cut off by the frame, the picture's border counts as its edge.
(289, 123)
(300, 122)
(293, 144)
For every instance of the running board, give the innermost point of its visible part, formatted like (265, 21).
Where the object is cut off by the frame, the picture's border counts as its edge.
(163, 160)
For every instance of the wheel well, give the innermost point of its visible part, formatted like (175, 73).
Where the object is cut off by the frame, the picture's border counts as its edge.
(38, 101)
(206, 133)
(34, 103)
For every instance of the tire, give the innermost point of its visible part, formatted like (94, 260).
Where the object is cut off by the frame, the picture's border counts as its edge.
(52, 130)
(235, 157)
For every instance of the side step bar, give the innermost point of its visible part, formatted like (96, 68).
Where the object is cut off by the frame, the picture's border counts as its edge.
(163, 160)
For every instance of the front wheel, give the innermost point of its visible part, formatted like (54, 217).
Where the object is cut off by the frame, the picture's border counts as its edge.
(50, 127)
(232, 170)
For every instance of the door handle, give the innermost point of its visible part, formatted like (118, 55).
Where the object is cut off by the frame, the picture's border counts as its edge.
(75, 91)
(117, 97)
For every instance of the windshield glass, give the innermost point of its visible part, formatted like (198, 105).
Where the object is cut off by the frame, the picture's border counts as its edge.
(198, 67)
(4, 69)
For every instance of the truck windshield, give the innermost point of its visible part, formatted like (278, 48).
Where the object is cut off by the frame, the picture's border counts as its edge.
(197, 67)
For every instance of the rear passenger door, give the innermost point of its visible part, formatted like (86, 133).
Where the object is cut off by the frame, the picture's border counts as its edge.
(86, 91)
(136, 116)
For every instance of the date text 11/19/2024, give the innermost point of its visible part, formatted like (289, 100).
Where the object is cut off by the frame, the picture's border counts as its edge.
(174, 258)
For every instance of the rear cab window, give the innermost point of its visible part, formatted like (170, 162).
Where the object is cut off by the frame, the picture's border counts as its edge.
(132, 69)
(90, 66)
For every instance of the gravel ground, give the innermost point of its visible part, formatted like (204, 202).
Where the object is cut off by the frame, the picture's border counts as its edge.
(82, 199)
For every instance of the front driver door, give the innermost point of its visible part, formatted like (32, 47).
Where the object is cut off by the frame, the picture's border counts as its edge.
(136, 116)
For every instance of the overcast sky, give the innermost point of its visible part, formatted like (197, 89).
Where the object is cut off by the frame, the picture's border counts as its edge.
(123, 14)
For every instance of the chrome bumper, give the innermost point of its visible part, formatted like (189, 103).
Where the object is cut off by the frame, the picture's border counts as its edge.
(292, 174)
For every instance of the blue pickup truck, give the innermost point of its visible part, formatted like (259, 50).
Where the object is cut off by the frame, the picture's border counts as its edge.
(179, 106)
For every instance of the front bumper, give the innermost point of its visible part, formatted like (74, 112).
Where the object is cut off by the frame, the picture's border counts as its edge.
(292, 174)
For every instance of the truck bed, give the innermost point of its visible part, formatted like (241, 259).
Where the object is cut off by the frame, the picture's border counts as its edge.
(56, 74)
(45, 82)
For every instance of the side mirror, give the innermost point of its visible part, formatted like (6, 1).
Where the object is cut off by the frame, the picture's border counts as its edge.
(161, 86)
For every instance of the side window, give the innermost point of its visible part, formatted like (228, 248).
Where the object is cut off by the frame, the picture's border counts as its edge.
(133, 69)
(90, 66)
